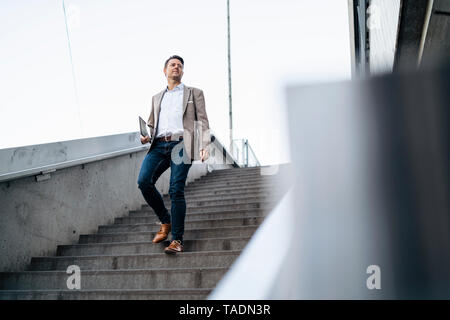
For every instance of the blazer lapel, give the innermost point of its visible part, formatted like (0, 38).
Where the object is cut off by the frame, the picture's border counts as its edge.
(158, 108)
(186, 95)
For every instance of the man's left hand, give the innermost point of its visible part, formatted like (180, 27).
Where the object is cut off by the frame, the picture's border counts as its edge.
(204, 154)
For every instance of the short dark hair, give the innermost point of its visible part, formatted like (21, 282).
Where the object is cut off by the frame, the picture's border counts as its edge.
(174, 57)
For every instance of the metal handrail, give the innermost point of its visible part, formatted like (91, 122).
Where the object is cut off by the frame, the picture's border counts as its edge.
(254, 155)
(43, 158)
(242, 153)
(35, 160)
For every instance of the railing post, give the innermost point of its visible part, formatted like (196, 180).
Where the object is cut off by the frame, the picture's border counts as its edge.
(246, 152)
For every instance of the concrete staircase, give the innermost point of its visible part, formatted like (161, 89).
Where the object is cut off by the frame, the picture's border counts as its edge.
(224, 208)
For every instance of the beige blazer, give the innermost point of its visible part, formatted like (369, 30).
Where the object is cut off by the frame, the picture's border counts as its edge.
(196, 135)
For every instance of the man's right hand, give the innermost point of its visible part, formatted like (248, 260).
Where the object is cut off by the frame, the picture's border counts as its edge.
(145, 139)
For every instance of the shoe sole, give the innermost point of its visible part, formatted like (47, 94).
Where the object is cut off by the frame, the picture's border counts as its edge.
(168, 251)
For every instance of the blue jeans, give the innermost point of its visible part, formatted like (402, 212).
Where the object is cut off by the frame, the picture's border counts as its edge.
(155, 163)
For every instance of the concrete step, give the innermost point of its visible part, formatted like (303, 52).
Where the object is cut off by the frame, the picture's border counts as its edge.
(216, 208)
(205, 190)
(165, 278)
(222, 173)
(235, 231)
(121, 294)
(189, 224)
(228, 190)
(245, 212)
(237, 174)
(137, 261)
(231, 171)
(226, 180)
(147, 247)
(242, 169)
(230, 195)
(150, 217)
(212, 179)
(218, 201)
(223, 185)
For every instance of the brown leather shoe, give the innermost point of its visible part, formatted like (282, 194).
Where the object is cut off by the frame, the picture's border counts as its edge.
(174, 247)
(163, 232)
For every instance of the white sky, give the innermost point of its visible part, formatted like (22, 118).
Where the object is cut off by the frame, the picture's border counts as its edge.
(119, 48)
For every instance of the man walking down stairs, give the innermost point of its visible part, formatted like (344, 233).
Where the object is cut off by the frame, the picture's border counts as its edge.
(120, 261)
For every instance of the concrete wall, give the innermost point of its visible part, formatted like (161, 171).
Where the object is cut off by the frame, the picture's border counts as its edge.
(35, 217)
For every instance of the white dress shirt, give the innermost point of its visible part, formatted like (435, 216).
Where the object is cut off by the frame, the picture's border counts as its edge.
(171, 113)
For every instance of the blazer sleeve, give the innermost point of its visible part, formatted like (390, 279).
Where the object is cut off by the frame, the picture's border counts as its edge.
(202, 118)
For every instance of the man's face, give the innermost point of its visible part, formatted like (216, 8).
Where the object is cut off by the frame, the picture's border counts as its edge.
(174, 70)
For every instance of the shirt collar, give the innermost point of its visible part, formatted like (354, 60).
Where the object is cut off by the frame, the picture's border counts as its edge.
(178, 87)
